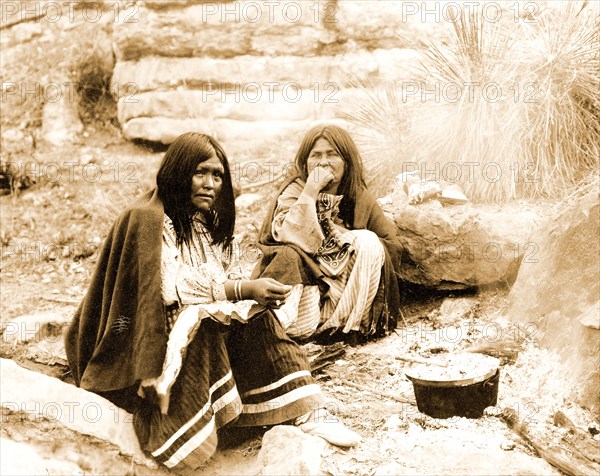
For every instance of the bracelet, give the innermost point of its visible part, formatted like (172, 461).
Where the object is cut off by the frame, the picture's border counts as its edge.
(237, 290)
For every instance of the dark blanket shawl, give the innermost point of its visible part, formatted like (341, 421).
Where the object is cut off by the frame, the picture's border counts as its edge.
(288, 264)
(118, 336)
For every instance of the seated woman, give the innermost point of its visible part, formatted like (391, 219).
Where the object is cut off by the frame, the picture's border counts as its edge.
(326, 235)
(171, 331)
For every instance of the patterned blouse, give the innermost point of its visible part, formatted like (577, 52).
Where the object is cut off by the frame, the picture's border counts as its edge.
(196, 274)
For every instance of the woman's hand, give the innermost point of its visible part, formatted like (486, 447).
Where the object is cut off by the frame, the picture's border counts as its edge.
(319, 178)
(266, 291)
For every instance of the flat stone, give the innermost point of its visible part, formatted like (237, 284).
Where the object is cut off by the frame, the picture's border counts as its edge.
(227, 131)
(385, 24)
(153, 72)
(72, 407)
(287, 450)
(270, 72)
(235, 102)
(297, 41)
(165, 130)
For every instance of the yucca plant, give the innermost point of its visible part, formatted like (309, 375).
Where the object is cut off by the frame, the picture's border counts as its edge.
(381, 121)
(564, 137)
(504, 112)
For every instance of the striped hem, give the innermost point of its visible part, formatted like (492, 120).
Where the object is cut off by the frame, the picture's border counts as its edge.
(283, 400)
(207, 437)
(287, 413)
(282, 408)
(196, 440)
(197, 416)
(279, 383)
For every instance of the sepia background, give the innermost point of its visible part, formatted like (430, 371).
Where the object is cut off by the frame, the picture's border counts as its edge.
(496, 99)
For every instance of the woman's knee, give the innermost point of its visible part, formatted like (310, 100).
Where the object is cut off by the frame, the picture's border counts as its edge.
(366, 239)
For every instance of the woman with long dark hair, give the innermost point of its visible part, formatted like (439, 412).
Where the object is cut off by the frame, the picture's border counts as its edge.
(171, 331)
(326, 235)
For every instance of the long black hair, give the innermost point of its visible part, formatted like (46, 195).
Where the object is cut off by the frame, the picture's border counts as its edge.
(174, 183)
(353, 179)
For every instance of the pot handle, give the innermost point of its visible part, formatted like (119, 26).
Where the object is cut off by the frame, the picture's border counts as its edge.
(488, 381)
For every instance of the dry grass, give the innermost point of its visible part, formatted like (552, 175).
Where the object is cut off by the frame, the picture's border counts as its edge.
(92, 73)
(565, 130)
(505, 112)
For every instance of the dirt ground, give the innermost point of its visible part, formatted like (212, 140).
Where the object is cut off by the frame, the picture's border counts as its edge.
(50, 237)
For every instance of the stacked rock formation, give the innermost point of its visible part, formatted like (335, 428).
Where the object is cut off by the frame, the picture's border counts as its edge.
(248, 70)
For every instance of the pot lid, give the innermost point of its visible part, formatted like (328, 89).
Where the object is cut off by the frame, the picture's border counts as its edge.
(463, 369)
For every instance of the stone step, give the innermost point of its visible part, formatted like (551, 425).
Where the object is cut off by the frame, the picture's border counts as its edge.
(235, 103)
(229, 132)
(163, 73)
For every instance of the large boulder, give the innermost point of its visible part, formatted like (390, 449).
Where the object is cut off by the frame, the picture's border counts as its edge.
(70, 406)
(463, 246)
(557, 294)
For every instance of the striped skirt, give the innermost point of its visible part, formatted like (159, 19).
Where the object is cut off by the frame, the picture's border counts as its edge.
(346, 305)
(243, 374)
